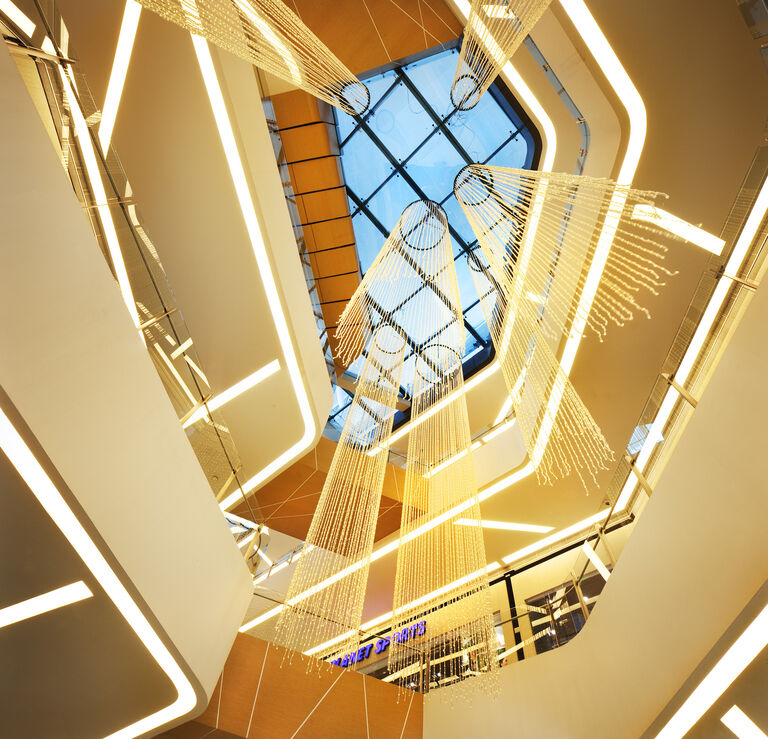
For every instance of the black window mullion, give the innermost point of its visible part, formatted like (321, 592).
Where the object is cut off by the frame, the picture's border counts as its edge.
(368, 113)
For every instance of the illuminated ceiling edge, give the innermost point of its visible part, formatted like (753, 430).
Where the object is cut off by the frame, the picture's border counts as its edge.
(245, 201)
(115, 85)
(25, 463)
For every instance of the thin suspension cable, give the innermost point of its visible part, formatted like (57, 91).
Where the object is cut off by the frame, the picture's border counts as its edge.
(447, 563)
(268, 34)
(494, 31)
(538, 234)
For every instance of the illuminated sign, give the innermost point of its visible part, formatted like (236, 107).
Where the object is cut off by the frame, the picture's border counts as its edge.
(381, 645)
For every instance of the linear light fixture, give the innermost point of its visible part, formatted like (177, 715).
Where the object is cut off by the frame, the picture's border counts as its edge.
(264, 557)
(455, 458)
(242, 190)
(747, 646)
(504, 410)
(505, 525)
(669, 222)
(501, 428)
(269, 573)
(49, 601)
(595, 560)
(100, 196)
(25, 24)
(181, 348)
(50, 498)
(742, 725)
(233, 392)
(119, 70)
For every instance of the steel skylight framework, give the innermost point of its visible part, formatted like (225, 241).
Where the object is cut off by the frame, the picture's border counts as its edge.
(437, 124)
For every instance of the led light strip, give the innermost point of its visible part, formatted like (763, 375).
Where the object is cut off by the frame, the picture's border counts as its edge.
(741, 653)
(26, 26)
(50, 498)
(505, 525)
(119, 70)
(233, 392)
(50, 601)
(597, 563)
(669, 222)
(240, 182)
(742, 725)
(100, 196)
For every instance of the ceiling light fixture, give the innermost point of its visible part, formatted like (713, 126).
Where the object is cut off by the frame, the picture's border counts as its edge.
(233, 392)
(747, 646)
(742, 725)
(117, 76)
(597, 563)
(664, 220)
(49, 601)
(505, 525)
(26, 26)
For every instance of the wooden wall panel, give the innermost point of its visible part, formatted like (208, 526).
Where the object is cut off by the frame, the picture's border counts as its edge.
(368, 37)
(263, 694)
(288, 502)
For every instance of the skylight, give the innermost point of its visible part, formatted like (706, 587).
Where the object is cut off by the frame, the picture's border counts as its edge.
(410, 145)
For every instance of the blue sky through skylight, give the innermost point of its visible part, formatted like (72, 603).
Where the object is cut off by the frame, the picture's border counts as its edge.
(410, 145)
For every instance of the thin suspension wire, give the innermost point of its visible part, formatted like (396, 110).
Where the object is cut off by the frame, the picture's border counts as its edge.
(494, 31)
(271, 36)
(538, 233)
(321, 606)
(446, 564)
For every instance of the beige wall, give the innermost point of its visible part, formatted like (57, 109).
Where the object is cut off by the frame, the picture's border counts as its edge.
(76, 369)
(695, 559)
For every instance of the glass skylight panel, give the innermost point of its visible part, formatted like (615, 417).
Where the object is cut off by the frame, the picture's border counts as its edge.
(515, 150)
(368, 238)
(390, 201)
(435, 165)
(376, 168)
(410, 146)
(429, 76)
(400, 122)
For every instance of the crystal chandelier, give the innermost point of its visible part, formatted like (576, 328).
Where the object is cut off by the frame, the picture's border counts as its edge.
(547, 241)
(441, 565)
(269, 35)
(494, 31)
